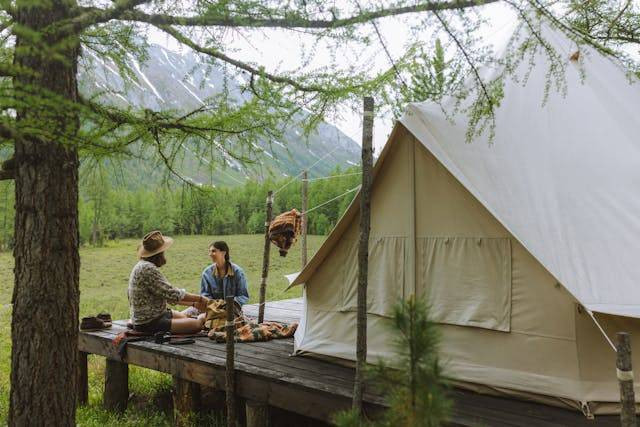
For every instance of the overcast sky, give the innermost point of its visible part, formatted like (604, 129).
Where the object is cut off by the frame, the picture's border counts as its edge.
(280, 50)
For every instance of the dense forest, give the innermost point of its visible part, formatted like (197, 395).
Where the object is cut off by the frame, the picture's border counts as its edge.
(111, 212)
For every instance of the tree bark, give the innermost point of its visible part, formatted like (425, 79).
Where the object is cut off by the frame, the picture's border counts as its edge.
(44, 327)
(363, 253)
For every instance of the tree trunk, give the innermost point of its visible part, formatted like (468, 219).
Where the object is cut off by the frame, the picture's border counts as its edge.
(44, 327)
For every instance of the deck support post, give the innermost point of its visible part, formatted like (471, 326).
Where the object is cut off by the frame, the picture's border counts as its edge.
(265, 257)
(257, 414)
(116, 385)
(625, 378)
(230, 383)
(83, 379)
(186, 401)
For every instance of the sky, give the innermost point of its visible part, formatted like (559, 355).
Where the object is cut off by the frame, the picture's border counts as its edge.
(279, 50)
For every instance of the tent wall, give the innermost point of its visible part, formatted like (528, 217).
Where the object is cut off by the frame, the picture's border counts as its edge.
(537, 351)
(329, 323)
(530, 338)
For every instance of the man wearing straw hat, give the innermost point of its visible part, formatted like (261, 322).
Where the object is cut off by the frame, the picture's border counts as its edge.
(149, 292)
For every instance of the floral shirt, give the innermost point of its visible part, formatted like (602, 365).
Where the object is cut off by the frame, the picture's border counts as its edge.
(149, 291)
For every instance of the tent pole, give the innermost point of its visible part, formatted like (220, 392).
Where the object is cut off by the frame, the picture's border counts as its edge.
(305, 192)
(363, 253)
(625, 379)
(265, 258)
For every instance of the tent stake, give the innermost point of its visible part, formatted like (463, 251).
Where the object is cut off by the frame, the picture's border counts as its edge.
(625, 379)
(363, 253)
(265, 258)
(305, 184)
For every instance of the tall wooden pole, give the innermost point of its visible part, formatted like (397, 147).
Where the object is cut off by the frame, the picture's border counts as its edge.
(265, 258)
(305, 190)
(230, 383)
(625, 378)
(363, 253)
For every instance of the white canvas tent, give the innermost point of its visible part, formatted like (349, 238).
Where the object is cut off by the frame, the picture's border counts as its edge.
(519, 244)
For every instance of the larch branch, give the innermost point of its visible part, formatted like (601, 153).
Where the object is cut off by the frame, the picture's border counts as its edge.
(291, 21)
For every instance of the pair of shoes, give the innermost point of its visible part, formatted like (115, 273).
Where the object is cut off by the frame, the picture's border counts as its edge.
(106, 318)
(93, 323)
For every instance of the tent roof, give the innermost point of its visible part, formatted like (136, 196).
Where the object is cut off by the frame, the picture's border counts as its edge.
(561, 176)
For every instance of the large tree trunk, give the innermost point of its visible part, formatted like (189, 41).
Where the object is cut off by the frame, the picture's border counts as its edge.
(44, 328)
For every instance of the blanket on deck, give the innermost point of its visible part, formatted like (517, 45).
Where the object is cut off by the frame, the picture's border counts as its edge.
(246, 329)
(249, 330)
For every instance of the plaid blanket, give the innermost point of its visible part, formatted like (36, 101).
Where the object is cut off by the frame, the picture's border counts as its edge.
(285, 229)
(249, 330)
(246, 328)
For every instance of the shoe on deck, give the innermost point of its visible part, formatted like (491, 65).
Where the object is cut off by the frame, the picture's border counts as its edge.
(93, 324)
(106, 318)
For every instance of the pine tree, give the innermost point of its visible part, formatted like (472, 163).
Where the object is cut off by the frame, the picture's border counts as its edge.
(413, 384)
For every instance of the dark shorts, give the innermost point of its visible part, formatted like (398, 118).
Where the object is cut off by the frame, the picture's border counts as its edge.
(161, 323)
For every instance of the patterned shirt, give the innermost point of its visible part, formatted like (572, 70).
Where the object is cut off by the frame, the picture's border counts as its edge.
(149, 291)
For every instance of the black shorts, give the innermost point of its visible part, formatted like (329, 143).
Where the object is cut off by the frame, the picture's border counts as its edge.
(161, 323)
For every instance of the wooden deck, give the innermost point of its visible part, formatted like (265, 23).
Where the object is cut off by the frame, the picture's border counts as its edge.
(267, 373)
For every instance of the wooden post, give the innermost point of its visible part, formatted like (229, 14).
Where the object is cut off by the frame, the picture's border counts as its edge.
(116, 386)
(257, 414)
(363, 253)
(625, 378)
(230, 385)
(305, 185)
(83, 378)
(186, 401)
(265, 258)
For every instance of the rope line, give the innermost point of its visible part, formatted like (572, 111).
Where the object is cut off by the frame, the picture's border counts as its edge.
(307, 169)
(331, 200)
(333, 176)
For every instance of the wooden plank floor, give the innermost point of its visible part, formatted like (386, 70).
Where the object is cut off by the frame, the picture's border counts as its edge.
(266, 372)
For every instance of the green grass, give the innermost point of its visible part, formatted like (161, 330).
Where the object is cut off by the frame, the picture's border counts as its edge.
(104, 274)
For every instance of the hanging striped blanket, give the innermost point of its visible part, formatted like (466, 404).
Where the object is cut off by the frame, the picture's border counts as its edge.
(285, 229)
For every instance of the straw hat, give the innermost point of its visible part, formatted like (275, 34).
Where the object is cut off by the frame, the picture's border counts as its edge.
(154, 243)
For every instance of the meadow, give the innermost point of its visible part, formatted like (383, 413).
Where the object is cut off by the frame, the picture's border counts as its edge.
(104, 275)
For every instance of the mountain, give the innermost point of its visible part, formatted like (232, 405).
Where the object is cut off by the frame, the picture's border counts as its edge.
(183, 81)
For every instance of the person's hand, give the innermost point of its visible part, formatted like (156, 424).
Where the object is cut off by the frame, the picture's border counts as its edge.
(202, 303)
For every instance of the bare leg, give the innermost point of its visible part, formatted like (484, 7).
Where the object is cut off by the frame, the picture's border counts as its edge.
(184, 325)
(190, 312)
(177, 314)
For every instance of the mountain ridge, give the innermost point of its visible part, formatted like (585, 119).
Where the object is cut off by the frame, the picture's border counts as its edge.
(168, 80)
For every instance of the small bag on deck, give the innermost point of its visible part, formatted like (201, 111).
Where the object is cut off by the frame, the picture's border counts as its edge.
(216, 315)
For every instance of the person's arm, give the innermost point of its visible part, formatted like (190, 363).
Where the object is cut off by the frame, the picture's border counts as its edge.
(173, 295)
(205, 287)
(160, 286)
(242, 291)
(198, 301)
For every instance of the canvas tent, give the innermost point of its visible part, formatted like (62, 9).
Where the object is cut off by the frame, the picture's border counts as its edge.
(524, 246)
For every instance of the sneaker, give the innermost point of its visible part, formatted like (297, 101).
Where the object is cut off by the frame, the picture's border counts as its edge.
(92, 324)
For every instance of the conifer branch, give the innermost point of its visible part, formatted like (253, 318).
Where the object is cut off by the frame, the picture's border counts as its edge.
(292, 20)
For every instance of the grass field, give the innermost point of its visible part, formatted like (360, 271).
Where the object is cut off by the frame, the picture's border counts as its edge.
(103, 283)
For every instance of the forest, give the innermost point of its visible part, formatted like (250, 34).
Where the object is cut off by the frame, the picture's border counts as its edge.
(108, 212)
